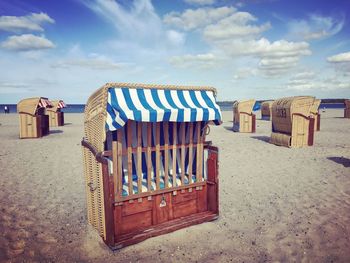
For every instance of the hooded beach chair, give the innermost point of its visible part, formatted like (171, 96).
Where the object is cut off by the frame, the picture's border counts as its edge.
(56, 116)
(266, 107)
(243, 116)
(347, 109)
(316, 114)
(148, 168)
(33, 122)
(292, 125)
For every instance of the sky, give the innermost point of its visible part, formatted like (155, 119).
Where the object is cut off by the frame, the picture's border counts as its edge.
(261, 49)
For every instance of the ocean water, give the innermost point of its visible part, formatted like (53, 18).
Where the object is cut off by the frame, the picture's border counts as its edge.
(225, 106)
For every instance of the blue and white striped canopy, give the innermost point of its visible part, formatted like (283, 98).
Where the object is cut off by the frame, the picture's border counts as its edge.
(157, 105)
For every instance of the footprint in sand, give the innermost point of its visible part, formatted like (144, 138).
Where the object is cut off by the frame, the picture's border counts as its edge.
(46, 239)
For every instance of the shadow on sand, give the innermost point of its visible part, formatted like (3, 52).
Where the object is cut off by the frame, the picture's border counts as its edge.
(229, 128)
(341, 160)
(55, 131)
(261, 138)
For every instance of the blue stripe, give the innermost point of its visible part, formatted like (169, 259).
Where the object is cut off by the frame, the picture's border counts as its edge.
(180, 114)
(167, 112)
(113, 108)
(131, 106)
(111, 113)
(196, 102)
(210, 104)
(180, 94)
(116, 106)
(142, 99)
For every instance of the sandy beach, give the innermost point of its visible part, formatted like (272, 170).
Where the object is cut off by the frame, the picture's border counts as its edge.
(276, 204)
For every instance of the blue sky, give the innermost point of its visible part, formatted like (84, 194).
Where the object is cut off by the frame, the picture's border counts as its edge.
(262, 49)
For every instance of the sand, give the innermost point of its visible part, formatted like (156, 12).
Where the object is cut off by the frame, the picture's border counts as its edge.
(276, 204)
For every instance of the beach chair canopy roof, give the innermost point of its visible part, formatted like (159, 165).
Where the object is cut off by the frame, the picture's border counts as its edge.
(244, 106)
(30, 105)
(315, 106)
(57, 104)
(147, 103)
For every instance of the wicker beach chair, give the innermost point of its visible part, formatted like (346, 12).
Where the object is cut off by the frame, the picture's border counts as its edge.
(266, 107)
(34, 123)
(347, 109)
(243, 116)
(316, 114)
(56, 116)
(292, 125)
(148, 168)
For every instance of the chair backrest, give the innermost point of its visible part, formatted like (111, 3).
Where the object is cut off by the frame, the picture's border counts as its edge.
(315, 106)
(266, 107)
(283, 110)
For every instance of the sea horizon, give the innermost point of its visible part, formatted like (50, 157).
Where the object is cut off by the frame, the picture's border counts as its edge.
(224, 106)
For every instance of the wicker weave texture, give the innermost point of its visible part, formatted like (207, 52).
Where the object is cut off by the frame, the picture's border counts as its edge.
(28, 126)
(54, 106)
(283, 109)
(95, 133)
(347, 109)
(53, 119)
(266, 107)
(286, 120)
(314, 111)
(28, 105)
(245, 121)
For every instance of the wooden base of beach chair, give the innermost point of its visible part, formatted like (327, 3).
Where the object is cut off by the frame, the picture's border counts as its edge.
(33, 126)
(245, 123)
(160, 214)
(266, 117)
(302, 133)
(347, 113)
(318, 122)
(134, 218)
(56, 118)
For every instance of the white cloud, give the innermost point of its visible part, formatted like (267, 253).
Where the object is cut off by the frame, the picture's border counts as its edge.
(139, 22)
(94, 62)
(311, 82)
(26, 42)
(192, 19)
(200, 2)
(175, 37)
(237, 33)
(315, 27)
(30, 22)
(203, 61)
(339, 58)
(244, 73)
(236, 25)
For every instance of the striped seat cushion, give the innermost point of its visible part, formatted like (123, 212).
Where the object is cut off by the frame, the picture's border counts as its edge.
(153, 184)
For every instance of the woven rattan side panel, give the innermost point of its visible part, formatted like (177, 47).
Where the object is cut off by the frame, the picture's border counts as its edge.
(93, 174)
(300, 131)
(245, 123)
(95, 134)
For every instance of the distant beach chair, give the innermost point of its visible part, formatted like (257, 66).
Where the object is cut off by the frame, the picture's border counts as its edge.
(243, 117)
(56, 116)
(266, 107)
(316, 114)
(34, 123)
(347, 109)
(292, 125)
(148, 168)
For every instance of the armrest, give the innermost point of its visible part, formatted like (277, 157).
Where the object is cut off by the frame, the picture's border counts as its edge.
(98, 155)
